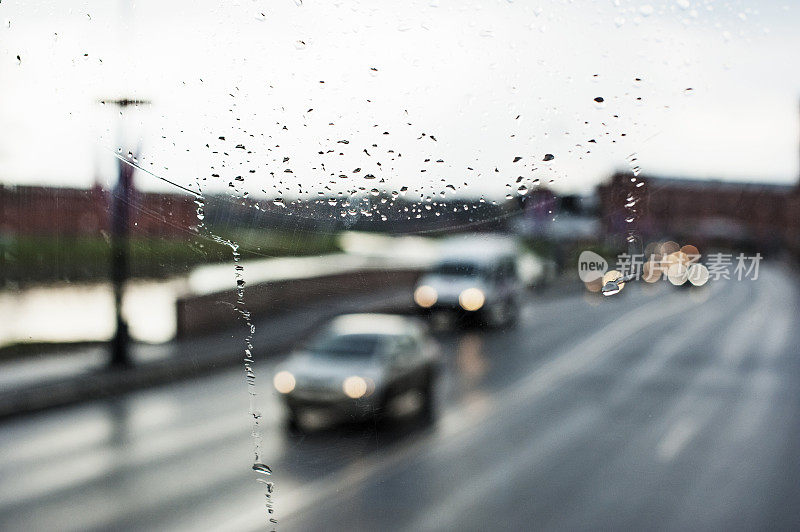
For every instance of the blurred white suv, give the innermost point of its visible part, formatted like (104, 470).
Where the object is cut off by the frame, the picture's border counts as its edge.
(481, 282)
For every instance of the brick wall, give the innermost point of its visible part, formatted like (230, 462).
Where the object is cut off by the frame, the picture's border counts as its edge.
(703, 211)
(42, 211)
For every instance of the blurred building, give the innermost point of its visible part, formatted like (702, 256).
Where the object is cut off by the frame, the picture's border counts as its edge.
(565, 218)
(41, 211)
(36, 210)
(706, 213)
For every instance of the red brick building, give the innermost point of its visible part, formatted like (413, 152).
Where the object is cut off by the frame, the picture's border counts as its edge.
(32, 210)
(702, 212)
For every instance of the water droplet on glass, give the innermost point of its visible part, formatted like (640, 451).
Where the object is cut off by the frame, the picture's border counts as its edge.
(262, 468)
(611, 288)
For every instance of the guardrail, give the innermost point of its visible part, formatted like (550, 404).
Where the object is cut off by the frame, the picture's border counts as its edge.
(206, 313)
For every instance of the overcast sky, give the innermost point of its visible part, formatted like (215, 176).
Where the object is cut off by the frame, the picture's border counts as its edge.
(489, 80)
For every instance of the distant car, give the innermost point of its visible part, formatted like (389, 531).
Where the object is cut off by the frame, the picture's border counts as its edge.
(358, 365)
(481, 282)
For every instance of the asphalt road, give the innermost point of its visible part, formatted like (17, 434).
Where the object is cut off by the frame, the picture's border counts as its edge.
(661, 408)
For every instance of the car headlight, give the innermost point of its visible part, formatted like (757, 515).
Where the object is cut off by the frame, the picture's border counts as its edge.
(354, 387)
(471, 299)
(698, 274)
(284, 382)
(425, 296)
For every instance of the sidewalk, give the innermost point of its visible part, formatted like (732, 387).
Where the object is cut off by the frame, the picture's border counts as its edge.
(59, 379)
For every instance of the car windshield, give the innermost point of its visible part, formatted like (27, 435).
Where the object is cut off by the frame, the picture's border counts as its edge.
(458, 269)
(347, 345)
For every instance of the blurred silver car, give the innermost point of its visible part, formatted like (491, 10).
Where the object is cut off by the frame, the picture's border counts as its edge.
(358, 365)
(475, 281)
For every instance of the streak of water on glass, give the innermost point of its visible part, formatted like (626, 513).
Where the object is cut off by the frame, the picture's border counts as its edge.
(635, 246)
(258, 460)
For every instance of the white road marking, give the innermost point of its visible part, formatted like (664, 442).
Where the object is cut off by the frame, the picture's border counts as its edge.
(777, 335)
(450, 507)
(742, 335)
(666, 348)
(746, 334)
(678, 436)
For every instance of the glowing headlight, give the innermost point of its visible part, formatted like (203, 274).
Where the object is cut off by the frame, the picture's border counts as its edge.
(698, 274)
(425, 296)
(284, 382)
(354, 387)
(471, 299)
(677, 274)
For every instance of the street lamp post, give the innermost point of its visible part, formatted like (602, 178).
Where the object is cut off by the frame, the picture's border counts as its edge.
(120, 216)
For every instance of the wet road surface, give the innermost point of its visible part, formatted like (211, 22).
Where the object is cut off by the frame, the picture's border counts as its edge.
(660, 408)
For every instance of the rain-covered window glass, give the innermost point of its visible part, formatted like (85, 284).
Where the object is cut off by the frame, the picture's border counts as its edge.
(414, 265)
